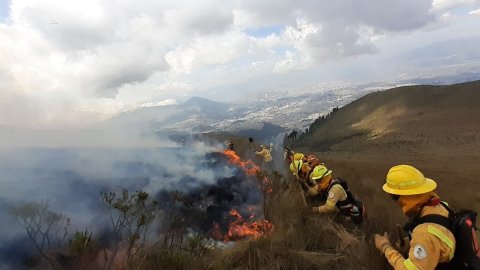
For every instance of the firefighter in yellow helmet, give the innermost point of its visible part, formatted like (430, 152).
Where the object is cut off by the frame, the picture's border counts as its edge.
(267, 158)
(337, 196)
(430, 243)
(300, 166)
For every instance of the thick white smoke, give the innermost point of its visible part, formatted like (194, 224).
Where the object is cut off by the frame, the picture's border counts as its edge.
(70, 177)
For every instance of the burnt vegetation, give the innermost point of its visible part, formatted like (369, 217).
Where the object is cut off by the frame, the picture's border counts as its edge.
(173, 230)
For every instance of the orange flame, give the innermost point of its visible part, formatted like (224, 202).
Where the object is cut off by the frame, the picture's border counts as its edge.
(248, 166)
(239, 228)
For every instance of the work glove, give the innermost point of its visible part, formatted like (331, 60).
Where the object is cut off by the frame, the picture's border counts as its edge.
(382, 242)
(312, 192)
(405, 248)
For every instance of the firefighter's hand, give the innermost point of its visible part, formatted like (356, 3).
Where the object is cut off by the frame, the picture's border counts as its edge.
(312, 192)
(381, 242)
(405, 248)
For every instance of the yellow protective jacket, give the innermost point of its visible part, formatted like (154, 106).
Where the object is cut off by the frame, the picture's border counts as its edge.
(267, 157)
(336, 194)
(431, 244)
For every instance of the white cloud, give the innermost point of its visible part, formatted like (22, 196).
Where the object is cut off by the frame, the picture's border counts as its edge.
(204, 17)
(441, 5)
(319, 42)
(174, 86)
(475, 13)
(165, 102)
(289, 63)
(71, 62)
(218, 50)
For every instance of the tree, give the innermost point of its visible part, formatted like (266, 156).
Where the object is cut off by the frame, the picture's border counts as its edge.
(46, 229)
(130, 217)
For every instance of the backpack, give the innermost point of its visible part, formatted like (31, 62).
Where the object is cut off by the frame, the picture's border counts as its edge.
(463, 226)
(357, 212)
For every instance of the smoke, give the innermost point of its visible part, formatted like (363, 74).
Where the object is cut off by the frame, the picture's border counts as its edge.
(71, 172)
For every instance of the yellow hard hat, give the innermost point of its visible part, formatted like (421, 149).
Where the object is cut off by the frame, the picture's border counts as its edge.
(298, 156)
(298, 165)
(407, 180)
(320, 172)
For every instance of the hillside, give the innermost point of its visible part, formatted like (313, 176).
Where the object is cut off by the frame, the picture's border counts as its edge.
(434, 128)
(417, 118)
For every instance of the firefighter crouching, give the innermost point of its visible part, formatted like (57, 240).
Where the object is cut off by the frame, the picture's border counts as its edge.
(337, 196)
(300, 166)
(317, 179)
(431, 243)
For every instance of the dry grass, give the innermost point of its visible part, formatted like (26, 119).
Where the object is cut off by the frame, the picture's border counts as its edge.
(299, 240)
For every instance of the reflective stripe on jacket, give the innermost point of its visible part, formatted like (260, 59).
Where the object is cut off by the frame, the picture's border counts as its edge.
(431, 244)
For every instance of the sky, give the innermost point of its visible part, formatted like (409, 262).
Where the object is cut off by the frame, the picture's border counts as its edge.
(66, 64)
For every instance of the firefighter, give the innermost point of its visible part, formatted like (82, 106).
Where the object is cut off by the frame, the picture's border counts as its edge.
(430, 243)
(230, 146)
(300, 165)
(337, 196)
(267, 158)
(287, 155)
(313, 162)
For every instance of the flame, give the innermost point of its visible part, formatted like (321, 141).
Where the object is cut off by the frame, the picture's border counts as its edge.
(248, 166)
(240, 228)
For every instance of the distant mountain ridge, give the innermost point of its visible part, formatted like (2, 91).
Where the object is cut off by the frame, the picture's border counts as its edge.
(279, 111)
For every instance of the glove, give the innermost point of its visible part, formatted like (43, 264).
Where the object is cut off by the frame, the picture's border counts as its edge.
(312, 192)
(382, 242)
(405, 248)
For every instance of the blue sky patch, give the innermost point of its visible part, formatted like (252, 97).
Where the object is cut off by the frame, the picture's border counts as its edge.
(463, 10)
(264, 31)
(4, 9)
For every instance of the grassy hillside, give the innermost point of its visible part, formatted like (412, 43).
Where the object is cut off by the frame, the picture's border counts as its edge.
(434, 128)
(413, 118)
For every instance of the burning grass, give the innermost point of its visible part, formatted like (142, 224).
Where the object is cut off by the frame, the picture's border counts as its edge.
(274, 234)
(247, 165)
(241, 228)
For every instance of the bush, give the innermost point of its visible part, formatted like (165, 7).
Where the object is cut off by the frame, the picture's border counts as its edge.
(298, 239)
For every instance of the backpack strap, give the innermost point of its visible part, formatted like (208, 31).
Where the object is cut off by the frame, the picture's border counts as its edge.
(451, 213)
(416, 220)
(332, 183)
(436, 219)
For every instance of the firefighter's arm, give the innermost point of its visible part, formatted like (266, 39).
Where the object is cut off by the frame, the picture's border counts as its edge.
(333, 197)
(423, 254)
